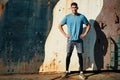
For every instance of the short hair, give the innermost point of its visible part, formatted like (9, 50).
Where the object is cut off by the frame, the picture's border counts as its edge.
(74, 3)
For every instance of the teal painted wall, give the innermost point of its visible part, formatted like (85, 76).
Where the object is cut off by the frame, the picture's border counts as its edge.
(24, 27)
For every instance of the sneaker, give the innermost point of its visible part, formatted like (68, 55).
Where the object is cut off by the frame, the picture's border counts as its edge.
(67, 74)
(82, 76)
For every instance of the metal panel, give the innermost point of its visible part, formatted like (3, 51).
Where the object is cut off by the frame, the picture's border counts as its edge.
(25, 25)
(115, 54)
(24, 29)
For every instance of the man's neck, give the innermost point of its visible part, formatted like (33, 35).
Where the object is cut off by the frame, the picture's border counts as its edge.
(74, 14)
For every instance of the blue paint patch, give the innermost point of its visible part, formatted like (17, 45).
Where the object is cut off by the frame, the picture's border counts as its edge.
(24, 29)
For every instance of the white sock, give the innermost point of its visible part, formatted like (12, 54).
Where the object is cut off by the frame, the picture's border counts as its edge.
(67, 71)
(81, 72)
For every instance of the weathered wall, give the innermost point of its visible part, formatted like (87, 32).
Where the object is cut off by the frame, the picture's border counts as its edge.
(26, 46)
(104, 18)
(55, 55)
(107, 28)
(24, 26)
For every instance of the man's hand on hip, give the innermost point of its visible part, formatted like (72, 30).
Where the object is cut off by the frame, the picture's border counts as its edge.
(67, 35)
(82, 35)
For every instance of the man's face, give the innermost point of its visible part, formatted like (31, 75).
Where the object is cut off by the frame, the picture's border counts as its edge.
(74, 9)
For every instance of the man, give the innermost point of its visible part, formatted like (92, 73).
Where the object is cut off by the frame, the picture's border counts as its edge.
(74, 23)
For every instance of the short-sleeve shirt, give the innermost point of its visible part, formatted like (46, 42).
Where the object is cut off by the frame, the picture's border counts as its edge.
(75, 25)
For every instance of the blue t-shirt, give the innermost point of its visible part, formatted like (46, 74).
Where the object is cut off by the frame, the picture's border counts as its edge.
(75, 25)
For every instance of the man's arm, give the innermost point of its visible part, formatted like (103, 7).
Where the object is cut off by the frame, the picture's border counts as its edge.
(86, 31)
(62, 31)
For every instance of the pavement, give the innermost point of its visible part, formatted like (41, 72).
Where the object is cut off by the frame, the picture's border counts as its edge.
(59, 76)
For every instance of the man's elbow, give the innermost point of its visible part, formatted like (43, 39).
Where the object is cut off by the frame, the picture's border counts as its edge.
(89, 25)
(60, 26)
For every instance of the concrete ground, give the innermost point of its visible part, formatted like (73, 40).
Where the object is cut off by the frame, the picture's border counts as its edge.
(58, 76)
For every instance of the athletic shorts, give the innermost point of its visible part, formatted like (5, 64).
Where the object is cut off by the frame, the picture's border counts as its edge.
(78, 44)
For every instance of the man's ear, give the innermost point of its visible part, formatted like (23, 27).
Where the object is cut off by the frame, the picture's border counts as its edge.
(77, 7)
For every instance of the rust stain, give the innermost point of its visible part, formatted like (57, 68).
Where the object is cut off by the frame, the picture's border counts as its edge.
(1, 66)
(1, 9)
(49, 3)
(51, 67)
(59, 61)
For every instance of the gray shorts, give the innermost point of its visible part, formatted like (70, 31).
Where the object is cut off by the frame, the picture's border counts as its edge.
(78, 44)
